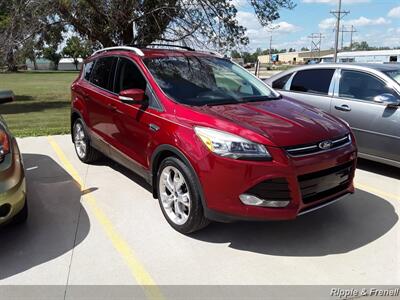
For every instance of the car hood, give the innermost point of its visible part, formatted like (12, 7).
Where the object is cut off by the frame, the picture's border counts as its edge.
(285, 122)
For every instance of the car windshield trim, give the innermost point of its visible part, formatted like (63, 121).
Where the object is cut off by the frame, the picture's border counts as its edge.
(199, 80)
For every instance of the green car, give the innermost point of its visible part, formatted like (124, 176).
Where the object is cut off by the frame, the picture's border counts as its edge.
(13, 204)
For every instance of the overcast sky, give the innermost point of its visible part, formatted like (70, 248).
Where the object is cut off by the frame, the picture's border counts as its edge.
(376, 21)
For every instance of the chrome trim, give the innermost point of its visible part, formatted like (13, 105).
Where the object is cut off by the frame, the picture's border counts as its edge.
(133, 49)
(323, 204)
(303, 148)
(320, 151)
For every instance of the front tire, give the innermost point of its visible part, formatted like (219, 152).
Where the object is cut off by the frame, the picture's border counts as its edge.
(179, 197)
(86, 153)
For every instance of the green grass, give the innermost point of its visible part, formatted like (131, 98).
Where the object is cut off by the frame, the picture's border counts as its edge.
(42, 105)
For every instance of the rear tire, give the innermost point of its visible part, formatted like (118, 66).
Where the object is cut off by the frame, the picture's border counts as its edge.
(179, 197)
(21, 216)
(86, 153)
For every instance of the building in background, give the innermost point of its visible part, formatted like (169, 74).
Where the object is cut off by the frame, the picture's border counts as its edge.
(65, 64)
(42, 64)
(376, 56)
(302, 57)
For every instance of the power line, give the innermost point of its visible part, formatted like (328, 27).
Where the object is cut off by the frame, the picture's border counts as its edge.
(339, 15)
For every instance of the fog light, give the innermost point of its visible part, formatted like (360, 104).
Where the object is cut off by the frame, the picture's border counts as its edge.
(255, 201)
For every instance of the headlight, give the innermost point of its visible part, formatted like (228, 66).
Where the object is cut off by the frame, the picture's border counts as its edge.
(230, 145)
(4, 144)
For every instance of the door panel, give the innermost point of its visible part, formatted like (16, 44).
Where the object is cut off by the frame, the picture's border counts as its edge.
(313, 87)
(99, 97)
(376, 126)
(131, 131)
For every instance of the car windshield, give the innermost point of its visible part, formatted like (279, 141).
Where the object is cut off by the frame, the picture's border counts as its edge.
(202, 80)
(394, 74)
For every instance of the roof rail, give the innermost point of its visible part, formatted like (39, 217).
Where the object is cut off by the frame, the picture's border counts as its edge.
(178, 46)
(165, 46)
(128, 48)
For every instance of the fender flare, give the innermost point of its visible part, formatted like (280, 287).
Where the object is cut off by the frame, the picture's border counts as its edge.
(155, 156)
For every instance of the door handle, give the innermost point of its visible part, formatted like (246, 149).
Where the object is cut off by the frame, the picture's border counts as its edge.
(154, 127)
(343, 107)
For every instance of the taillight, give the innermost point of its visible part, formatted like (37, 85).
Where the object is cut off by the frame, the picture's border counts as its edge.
(4, 144)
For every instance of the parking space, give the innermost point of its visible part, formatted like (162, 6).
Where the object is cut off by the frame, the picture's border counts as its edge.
(98, 224)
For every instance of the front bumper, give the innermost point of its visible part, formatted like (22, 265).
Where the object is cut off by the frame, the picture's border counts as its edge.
(224, 180)
(12, 185)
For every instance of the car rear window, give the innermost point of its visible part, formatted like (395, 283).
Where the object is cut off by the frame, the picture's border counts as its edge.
(87, 70)
(313, 81)
(280, 83)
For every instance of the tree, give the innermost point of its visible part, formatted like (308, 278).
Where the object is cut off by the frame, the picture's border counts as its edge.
(211, 22)
(77, 48)
(52, 55)
(304, 49)
(21, 21)
(292, 50)
(235, 54)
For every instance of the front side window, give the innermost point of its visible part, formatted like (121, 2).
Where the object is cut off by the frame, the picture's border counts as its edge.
(203, 80)
(128, 76)
(315, 81)
(362, 86)
(103, 73)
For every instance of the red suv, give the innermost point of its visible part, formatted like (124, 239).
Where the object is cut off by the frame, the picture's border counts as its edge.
(213, 140)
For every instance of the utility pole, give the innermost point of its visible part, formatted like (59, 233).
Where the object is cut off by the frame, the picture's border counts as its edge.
(270, 49)
(339, 14)
(270, 29)
(344, 30)
(352, 30)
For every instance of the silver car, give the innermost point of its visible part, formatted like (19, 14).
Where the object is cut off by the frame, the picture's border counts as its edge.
(367, 96)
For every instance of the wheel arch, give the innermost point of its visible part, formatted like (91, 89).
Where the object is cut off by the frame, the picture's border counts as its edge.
(164, 151)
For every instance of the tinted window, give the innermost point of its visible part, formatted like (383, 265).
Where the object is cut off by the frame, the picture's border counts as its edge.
(203, 80)
(280, 83)
(103, 73)
(359, 85)
(128, 76)
(87, 71)
(313, 81)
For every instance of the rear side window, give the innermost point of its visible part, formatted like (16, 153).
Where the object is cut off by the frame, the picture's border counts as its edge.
(87, 71)
(280, 83)
(103, 73)
(313, 81)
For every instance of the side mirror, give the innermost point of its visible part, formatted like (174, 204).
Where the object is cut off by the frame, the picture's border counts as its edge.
(132, 96)
(6, 96)
(388, 99)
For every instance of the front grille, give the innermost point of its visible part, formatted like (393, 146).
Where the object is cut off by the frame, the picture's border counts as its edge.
(318, 185)
(315, 148)
(274, 190)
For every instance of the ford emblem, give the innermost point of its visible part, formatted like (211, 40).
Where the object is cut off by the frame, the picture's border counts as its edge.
(325, 145)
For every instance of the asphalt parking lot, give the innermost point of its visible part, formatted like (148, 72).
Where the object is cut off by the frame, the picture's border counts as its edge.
(99, 225)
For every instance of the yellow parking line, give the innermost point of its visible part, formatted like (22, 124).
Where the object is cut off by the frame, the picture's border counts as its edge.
(137, 269)
(376, 191)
